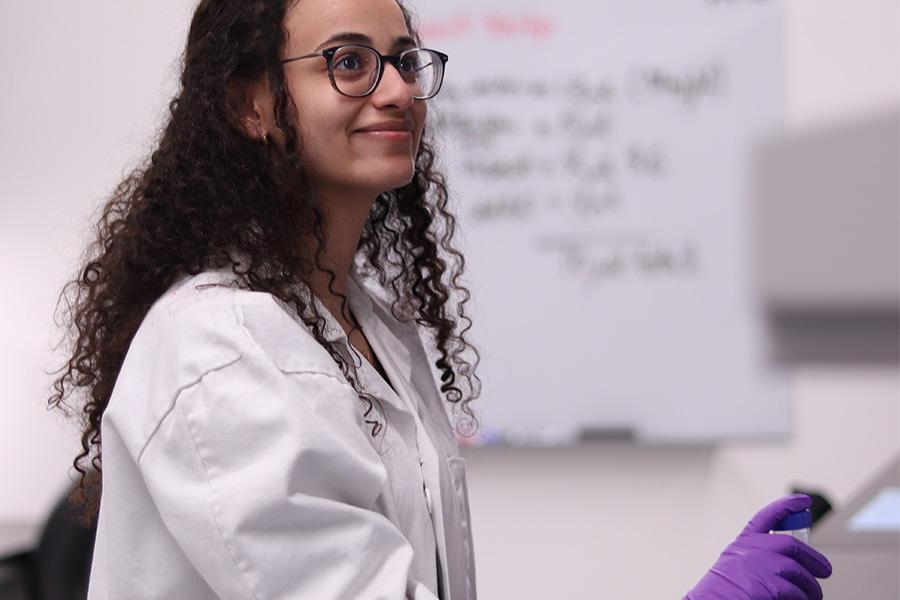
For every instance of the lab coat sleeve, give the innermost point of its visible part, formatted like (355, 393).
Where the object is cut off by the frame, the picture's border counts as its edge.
(267, 482)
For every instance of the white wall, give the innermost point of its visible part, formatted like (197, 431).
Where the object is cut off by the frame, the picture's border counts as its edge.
(599, 522)
(63, 146)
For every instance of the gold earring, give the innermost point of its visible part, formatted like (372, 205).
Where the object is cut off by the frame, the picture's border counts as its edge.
(263, 135)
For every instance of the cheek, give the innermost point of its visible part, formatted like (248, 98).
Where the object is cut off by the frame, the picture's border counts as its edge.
(322, 127)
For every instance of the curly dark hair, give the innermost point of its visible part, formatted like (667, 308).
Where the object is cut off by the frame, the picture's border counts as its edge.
(210, 197)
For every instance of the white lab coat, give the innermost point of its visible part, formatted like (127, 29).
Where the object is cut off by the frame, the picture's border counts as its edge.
(236, 463)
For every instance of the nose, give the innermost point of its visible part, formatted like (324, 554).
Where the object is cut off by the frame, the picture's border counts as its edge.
(392, 90)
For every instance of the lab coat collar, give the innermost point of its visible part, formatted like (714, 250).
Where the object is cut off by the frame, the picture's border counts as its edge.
(374, 318)
(389, 344)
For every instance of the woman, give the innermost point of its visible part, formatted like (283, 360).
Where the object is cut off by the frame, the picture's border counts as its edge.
(269, 422)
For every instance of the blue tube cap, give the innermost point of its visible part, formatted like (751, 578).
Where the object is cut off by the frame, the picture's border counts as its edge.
(797, 520)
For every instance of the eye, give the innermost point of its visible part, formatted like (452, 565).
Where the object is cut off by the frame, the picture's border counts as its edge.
(349, 61)
(411, 63)
(352, 60)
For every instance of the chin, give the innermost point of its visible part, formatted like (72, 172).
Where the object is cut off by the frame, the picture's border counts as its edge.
(396, 177)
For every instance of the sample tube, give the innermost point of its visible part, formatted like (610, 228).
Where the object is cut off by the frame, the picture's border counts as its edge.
(796, 524)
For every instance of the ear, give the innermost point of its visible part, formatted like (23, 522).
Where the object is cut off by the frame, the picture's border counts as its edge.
(251, 107)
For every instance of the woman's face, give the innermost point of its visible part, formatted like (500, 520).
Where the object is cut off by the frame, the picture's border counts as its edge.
(340, 158)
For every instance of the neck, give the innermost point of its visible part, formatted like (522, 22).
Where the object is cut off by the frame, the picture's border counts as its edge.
(343, 224)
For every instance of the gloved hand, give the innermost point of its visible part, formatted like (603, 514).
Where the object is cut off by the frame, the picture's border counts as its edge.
(761, 566)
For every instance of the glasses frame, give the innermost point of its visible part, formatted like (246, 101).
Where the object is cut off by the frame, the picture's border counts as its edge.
(393, 59)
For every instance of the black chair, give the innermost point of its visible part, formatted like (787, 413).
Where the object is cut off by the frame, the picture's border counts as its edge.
(59, 566)
(15, 571)
(61, 563)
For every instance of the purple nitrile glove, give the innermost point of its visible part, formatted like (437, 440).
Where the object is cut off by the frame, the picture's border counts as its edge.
(762, 566)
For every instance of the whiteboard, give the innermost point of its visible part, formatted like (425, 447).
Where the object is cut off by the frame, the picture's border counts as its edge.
(598, 155)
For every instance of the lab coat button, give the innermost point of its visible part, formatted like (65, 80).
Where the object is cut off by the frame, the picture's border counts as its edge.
(428, 499)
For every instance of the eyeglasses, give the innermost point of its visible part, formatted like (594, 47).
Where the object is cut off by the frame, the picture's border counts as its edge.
(355, 71)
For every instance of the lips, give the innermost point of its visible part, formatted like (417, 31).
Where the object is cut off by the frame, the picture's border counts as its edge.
(396, 126)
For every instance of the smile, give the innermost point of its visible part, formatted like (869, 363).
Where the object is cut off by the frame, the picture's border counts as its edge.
(387, 135)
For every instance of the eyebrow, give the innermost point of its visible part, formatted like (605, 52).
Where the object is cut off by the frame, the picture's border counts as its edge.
(361, 38)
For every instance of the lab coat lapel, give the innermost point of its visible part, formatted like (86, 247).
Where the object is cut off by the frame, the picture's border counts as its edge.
(457, 559)
(369, 379)
(400, 372)
(387, 346)
(377, 334)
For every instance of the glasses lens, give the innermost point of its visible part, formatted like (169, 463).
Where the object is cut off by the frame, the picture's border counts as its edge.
(354, 69)
(423, 71)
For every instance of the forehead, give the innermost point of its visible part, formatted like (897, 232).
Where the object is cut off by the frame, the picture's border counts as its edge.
(311, 22)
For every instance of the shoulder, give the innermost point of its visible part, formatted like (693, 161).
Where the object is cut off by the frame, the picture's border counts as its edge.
(207, 321)
(201, 324)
